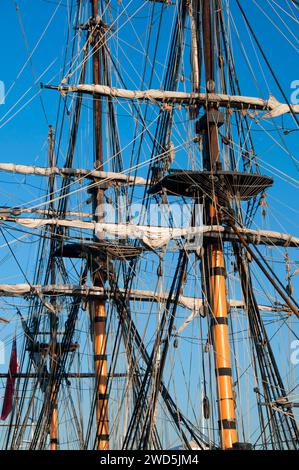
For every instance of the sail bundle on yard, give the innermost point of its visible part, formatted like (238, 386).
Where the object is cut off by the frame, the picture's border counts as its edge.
(272, 105)
(156, 237)
(151, 236)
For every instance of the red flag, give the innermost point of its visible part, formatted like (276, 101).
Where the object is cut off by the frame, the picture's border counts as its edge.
(10, 384)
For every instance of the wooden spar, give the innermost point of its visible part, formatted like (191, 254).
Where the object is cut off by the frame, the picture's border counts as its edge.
(107, 176)
(271, 106)
(99, 313)
(195, 67)
(34, 223)
(214, 260)
(212, 232)
(53, 317)
(49, 212)
(194, 304)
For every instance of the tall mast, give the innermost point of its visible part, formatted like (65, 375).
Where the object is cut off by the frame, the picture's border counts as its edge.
(53, 317)
(99, 313)
(213, 257)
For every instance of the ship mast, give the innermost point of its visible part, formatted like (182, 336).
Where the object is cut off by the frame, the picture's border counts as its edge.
(207, 187)
(53, 316)
(98, 316)
(213, 256)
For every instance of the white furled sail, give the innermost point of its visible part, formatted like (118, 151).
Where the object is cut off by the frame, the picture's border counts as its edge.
(157, 237)
(273, 107)
(153, 237)
(76, 172)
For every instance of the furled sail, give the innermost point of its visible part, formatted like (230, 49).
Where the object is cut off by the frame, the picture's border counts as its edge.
(273, 107)
(157, 237)
(76, 172)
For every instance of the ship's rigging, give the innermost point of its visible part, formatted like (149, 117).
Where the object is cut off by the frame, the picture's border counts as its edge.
(102, 365)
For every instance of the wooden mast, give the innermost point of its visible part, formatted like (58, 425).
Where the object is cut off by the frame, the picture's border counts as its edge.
(53, 317)
(99, 313)
(213, 257)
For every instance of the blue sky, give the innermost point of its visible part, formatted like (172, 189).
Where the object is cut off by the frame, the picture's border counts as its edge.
(23, 139)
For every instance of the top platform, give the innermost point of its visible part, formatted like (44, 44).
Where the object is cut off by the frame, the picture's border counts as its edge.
(101, 250)
(223, 184)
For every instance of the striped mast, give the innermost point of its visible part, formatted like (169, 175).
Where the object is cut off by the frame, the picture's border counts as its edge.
(213, 254)
(98, 316)
(53, 314)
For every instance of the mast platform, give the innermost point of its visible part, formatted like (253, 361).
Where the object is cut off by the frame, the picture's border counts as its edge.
(223, 184)
(99, 250)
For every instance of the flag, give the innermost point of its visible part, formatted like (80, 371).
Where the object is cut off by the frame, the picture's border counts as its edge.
(10, 384)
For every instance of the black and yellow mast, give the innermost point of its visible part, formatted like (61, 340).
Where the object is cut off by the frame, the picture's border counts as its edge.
(98, 316)
(213, 255)
(53, 315)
